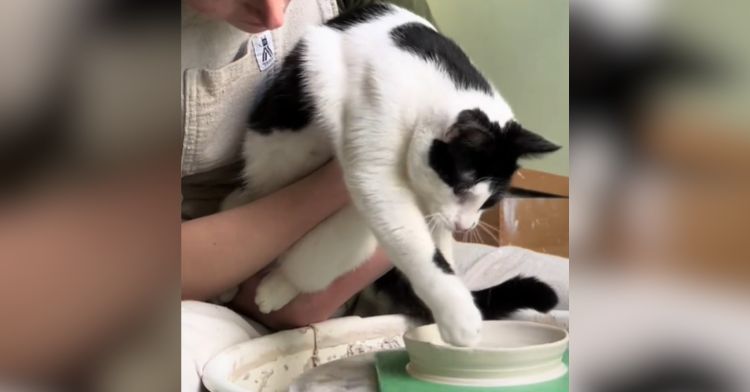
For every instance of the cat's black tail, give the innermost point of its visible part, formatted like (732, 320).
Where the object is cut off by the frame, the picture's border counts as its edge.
(515, 294)
(494, 302)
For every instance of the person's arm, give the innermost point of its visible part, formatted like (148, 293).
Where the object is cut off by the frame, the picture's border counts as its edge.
(222, 250)
(311, 308)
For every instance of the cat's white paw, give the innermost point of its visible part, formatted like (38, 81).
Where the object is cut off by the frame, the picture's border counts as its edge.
(460, 327)
(274, 292)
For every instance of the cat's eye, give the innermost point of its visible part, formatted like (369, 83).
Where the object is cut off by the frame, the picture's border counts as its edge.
(464, 186)
(488, 204)
(494, 199)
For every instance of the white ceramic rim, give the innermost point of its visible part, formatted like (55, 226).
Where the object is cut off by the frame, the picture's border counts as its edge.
(564, 339)
(536, 378)
(217, 372)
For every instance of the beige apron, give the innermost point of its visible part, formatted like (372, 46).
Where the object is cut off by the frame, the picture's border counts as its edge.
(216, 99)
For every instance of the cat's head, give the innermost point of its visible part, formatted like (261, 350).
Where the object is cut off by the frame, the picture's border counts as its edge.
(469, 167)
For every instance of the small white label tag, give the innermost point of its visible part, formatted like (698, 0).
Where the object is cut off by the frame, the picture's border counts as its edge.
(265, 53)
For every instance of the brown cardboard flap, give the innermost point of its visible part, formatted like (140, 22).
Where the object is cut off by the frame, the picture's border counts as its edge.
(539, 224)
(540, 182)
(536, 223)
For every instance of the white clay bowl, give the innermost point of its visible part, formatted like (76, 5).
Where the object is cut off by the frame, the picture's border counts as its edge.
(509, 353)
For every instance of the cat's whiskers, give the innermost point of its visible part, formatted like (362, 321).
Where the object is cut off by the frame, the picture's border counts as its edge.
(474, 236)
(443, 219)
(434, 226)
(479, 234)
(480, 238)
(484, 228)
(430, 223)
(434, 221)
(438, 219)
(488, 226)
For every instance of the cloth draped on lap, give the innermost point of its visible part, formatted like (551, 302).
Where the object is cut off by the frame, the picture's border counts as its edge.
(482, 266)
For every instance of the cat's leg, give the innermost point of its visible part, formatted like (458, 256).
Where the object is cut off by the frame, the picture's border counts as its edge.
(337, 245)
(444, 241)
(392, 212)
(274, 291)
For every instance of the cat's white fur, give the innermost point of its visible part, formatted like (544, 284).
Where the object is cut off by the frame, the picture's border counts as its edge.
(380, 109)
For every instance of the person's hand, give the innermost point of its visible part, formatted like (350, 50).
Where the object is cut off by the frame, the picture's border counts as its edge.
(252, 16)
(311, 308)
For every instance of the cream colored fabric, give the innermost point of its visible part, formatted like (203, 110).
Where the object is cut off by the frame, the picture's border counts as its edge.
(206, 330)
(220, 78)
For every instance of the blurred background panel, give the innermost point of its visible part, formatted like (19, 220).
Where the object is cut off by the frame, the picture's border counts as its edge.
(659, 124)
(660, 136)
(89, 194)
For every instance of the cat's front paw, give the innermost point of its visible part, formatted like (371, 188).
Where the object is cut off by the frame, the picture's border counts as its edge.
(273, 292)
(460, 327)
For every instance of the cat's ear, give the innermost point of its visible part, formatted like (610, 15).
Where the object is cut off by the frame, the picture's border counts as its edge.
(528, 144)
(471, 136)
(472, 130)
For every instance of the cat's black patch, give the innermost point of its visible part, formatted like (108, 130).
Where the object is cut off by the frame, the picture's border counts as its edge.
(495, 302)
(434, 47)
(514, 294)
(477, 149)
(440, 261)
(285, 104)
(398, 290)
(359, 15)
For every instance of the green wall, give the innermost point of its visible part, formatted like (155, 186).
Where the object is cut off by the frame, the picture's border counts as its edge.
(522, 46)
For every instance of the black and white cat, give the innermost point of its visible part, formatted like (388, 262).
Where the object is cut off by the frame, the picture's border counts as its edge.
(425, 142)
